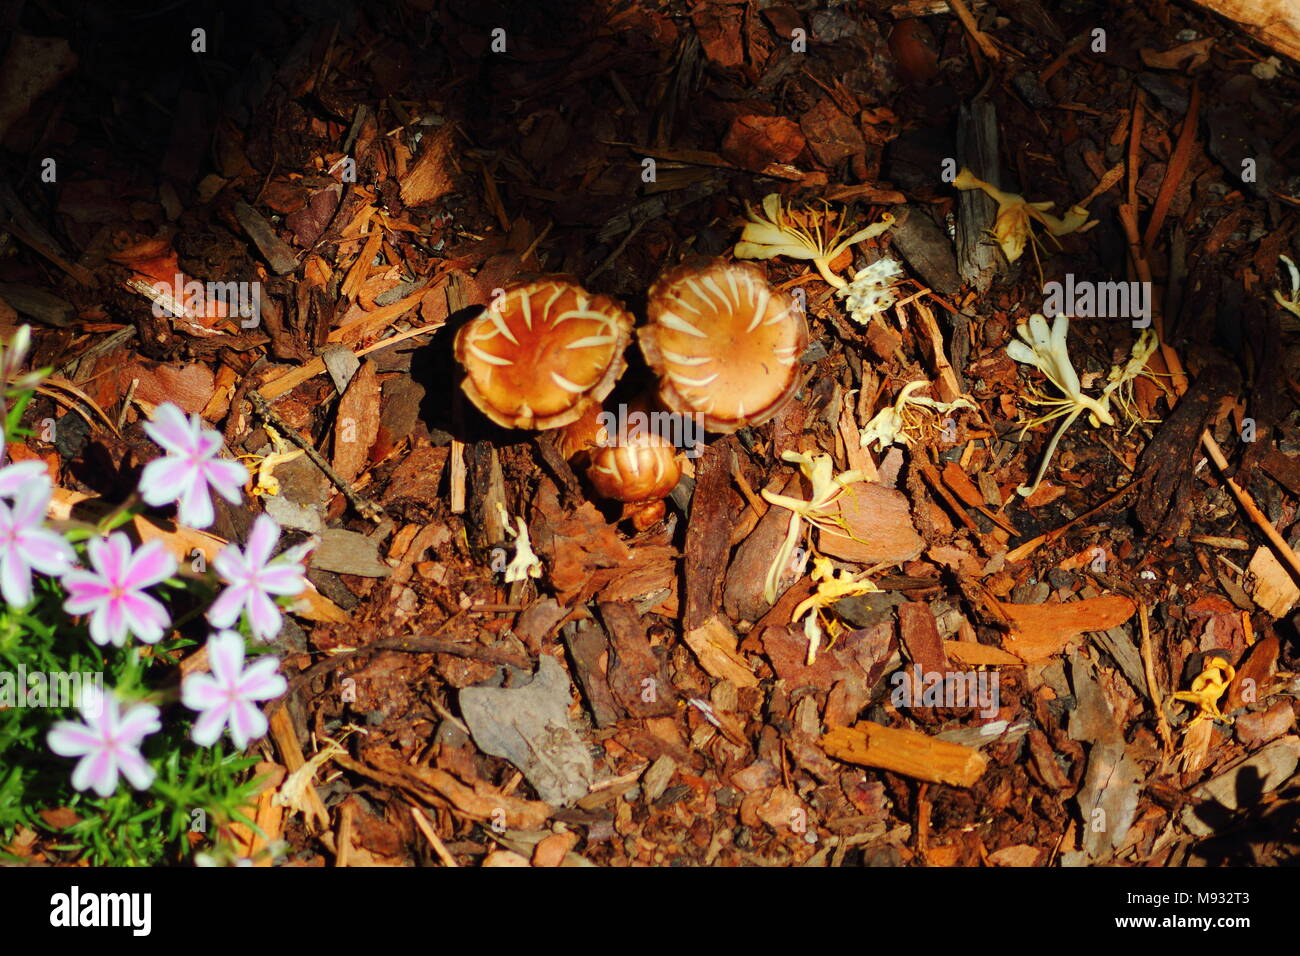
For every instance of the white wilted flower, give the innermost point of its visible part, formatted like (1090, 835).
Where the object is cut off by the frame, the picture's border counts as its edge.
(872, 290)
(525, 564)
(1045, 349)
(1011, 228)
(898, 424)
(1290, 302)
(1119, 383)
(817, 235)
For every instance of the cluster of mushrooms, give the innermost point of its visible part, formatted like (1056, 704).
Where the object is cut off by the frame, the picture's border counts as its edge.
(723, 343)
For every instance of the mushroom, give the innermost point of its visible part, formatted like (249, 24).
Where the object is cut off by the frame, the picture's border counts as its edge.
(639, 468)
(543, 353)
(723, 342)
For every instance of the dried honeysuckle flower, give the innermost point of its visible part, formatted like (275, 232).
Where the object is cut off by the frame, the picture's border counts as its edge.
(1011, 227)
(830, 588)
(1119, 383)
(817, 235)
(1045, 349)
(898, 423)
(826, 488)
(265, 482)
(1290, 302)
(525, 564)
(812, 629)
(872, 290)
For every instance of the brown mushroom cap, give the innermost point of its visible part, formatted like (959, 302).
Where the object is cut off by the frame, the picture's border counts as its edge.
(645, 468)
(723, 342)
(542, 353)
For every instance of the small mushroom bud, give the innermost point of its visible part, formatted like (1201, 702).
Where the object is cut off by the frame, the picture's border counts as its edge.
(644, 468)
(723, 342)
(639, 468)
(542, 353)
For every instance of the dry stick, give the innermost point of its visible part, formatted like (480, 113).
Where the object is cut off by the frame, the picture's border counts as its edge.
(618, 250)
(1128, 217)
(343, 840)
(968, 21)
(410, 645)
(935, 482)
(422, 822)
(1153, 689)
(1174, 172)
(1073, 47)
(286, 739)
(456, 300)
(457, 477)
(756, 503)
(1134, 148)
(1248, 505)
(1029, 547)
(365, 507)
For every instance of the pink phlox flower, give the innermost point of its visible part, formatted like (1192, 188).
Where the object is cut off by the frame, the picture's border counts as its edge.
(26, 544)
(107, 741)
(113, 594)
(227, 696)
(189, 468)
(252, 577)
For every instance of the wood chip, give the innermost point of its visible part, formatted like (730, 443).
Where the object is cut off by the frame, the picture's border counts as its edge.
(715, 647)
(1040, 630)
(1270, 585)
(908, 752)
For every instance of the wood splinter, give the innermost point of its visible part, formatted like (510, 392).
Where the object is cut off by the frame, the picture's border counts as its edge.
(908, 752)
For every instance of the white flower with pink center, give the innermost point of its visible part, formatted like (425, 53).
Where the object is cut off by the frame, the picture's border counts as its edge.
(113, 594)
(108, 742)
(190, 467)
(228, 696)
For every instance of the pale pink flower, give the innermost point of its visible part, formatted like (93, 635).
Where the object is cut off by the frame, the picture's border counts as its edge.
(12, 358)
(113, 594)
(23, 474)
(189, 468)
(108, 742)
(25, 543)
(227, 696)
(252, 578)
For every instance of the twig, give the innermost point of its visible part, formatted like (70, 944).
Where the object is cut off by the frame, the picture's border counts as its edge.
(457, 478)
(410, 645)
(365, 507)
(1153, 689)
(1174, 172)
(438, 847)
(618, 250)
(1029, 547)
(979, 36)
(1248, 505)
